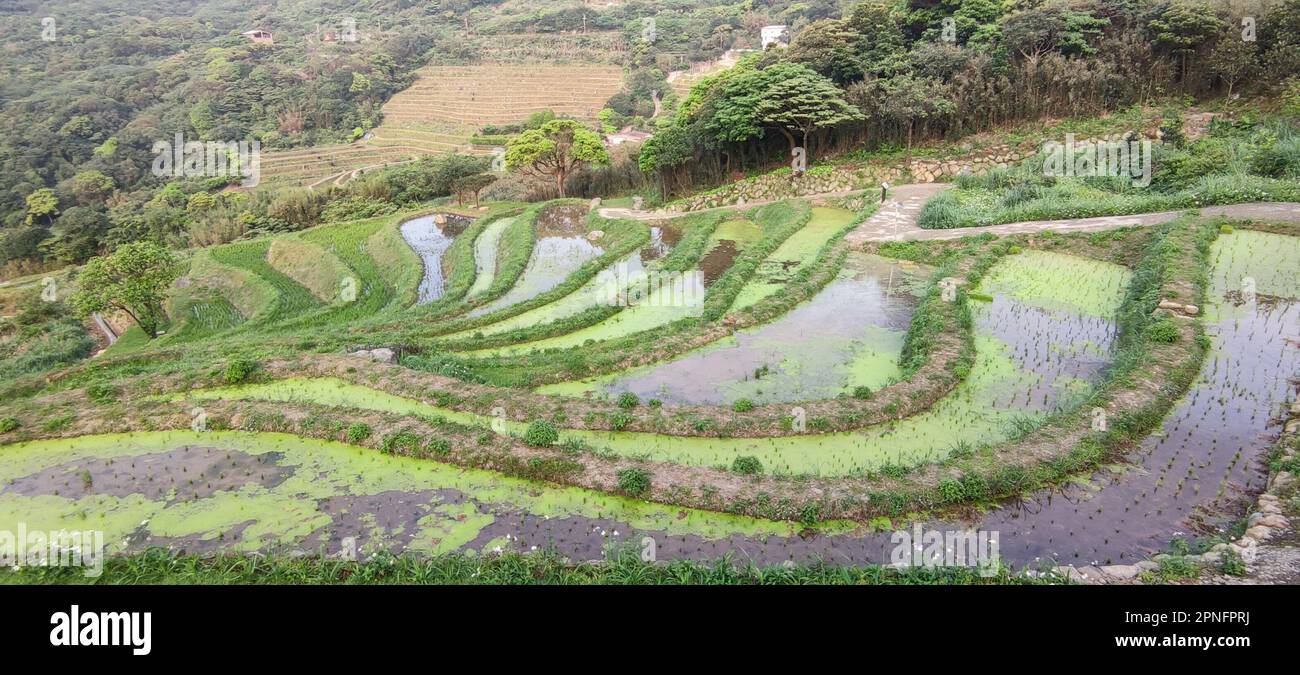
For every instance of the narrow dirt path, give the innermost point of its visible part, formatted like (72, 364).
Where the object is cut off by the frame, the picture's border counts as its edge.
(1279, 211)
(897, 219)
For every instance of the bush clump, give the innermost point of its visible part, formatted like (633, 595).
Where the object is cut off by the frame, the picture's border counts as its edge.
(620, 420)
(628, 400)
(239, 370)
(862, 392)
(633, 481)
(742, 405)
(102, 393)
(8, 424)
(541, 434)
(438, 446)
(747, 465)
(358, 432)
(399, 440)
(1164, 331)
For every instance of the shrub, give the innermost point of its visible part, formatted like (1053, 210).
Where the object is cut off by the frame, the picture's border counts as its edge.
(439, 446)
(862, 392)
(355, 208)
(239, 370)
(8, 424)
(809, 515)
(358, 432)
(742, 405)
(654, 403)
(401, 439)
(628, 400)
(620, 420)
(102, 393)
(633, 481)
(541, 434)
(747, 465)
(57, 423)
(951, 490)
(1278, 160)
(1164, 331)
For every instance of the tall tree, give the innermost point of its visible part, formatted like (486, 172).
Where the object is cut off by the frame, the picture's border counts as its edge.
(883, 46)
(829, 47)
(1035, 32)
(133, 279)
(1183, 28)
(907, 99)
(42, 204)
(798, 100)
(555, 150)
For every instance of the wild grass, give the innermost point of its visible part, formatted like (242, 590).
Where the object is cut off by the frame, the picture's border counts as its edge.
(1236, 163)
(620, 567)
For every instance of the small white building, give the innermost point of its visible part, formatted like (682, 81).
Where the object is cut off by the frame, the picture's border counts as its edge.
(627, 135)
(259, 36)
(776, 35)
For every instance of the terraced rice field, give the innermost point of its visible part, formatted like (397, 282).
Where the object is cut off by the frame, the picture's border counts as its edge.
(848, 336)
(485, 256)
(1037, 352)
(727, 241)
(278, 493)
(1204, 459)
(477, 95)
(1043, 326)
(561, 247)
(431, 239)
(441, 110)
(387, 145)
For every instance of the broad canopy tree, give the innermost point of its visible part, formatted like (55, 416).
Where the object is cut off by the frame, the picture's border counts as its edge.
(786, 97)
(555, 150)
(133, 279)
(805, 103)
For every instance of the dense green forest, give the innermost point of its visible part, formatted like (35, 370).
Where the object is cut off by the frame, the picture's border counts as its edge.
(890, 74)
(82, 110)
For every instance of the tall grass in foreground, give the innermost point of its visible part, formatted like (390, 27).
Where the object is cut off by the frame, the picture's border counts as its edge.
(620, 568)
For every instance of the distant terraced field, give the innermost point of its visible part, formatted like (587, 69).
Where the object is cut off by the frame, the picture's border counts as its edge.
(337, 164)
(440, 112)
(472, 96)
(681, 81)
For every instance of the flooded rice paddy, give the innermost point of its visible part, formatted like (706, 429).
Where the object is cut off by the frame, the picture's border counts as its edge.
(276, 493)
(561, 247)
(792, 255)
(485, 255)
(430, 237)
(850, 334)
(727, 241)
(1207, 455)
(587, 296)
(1030, 360)
(281, 493)
(592, 293)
